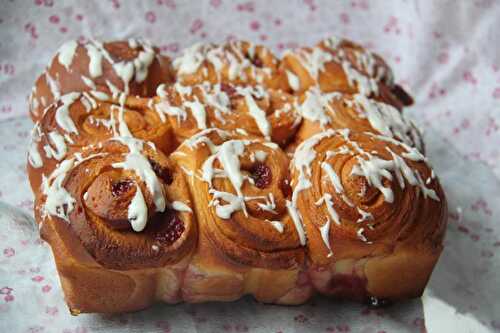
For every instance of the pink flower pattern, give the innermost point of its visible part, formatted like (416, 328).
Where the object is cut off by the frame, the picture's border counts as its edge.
(453, 74)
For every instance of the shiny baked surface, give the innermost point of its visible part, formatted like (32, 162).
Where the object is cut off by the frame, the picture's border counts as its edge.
(230, 171)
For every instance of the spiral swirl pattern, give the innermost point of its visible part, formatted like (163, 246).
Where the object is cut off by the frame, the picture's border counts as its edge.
(250, 110)
(81, 119)
(352, 187)
(242, 189)
(125, 201)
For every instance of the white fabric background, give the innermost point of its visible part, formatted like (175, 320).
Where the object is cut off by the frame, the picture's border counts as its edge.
(445, 52)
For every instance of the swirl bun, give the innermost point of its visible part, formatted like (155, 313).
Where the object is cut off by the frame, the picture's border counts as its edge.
(247, 109)
(113, 189)
(363, 196)
(337, 65)
(242, 193)
(133, 67)
(322, 111)
(238, 62)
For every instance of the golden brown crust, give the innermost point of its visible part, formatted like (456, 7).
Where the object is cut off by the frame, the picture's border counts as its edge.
(236, 62)
(191, 109)
(337, 111)
(351, 210)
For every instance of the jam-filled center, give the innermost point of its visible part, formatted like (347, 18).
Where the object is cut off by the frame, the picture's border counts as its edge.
(121, 187)
(109, 197)
(167, 227)
(228, 89)
(261, 175)
(257, 62)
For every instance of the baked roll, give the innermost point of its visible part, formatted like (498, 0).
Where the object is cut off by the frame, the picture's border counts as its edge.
(77, 120)
(233, 173)
(247, 242)
(322, 111)
(373, 211)
(250, 110)
(338, 65)
(119, 218)
(237, 62)
(133, 67)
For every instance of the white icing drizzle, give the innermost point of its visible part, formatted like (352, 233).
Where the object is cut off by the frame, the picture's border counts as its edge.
(316, 105)
(55, 90)
(260, 155)
(234, 203)
(201, 137)
(90, 99)
(113, 89)
(374, 169)
(302, 158)
(218, 100)
(325, 235)
(327, 200)
(270, 205)
(360, 235)
(313, 61)
(136, 68)
(228, 155)
(142, 62)
(364, 215)
(388, 121)
(125, 71)
(198, 112)
(181, 206)
(229, 55)
(95, 60)
(62, 116)
(365, 85)
(332, 42)
(297, 221)
(334, 178)
(241, 131)
(293, 81)
(88, 82)
(136, 162)
(254, 110)
(60, 149)
(67, 53)
(191, 58)
(364, 59)
(133, 43)
(277, 225)
(100, 95)
(58, 201)
(138, 211)
(34, 157)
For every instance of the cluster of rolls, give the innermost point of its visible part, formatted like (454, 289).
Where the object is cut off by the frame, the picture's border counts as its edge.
(229, 171)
